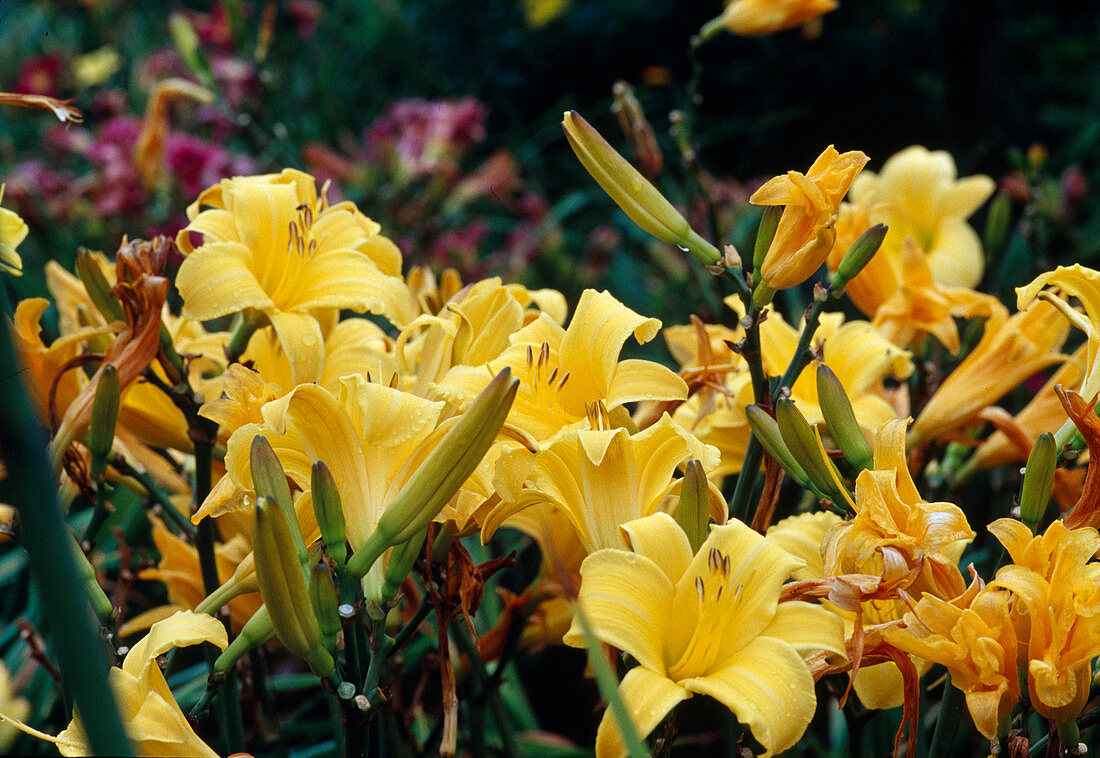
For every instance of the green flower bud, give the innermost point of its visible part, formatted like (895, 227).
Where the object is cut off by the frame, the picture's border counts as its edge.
(329, 512)
(693, 513)
(255, 632)
(97, 287)
(322, 594)
(857, 256)
(401, 561)
(632, 192)
(101, 430)
(765, 233)
(242, 582)
(1038, 481)
(841, 419)
(441, 474)
(283, 587)
(269, 480)
(802, 441)
(101, 604)
(997, 223)
(766, 432)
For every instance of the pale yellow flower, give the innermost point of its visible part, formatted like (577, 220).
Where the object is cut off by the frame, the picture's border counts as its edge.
(917, 195)
(711, 625)
(11, 706)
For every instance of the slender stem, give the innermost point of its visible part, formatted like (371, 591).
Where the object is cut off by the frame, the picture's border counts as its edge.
(165, 506)
(74, 637)
(947, 723)
(268, 710)
(802, 354)
(487, 686)
(407, 631)
(99, 516)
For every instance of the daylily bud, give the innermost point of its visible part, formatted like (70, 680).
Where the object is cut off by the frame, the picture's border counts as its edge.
(255, 632)
(322, 594)
(329, 512)
(97, 287)
(693, 513)
(632, 192)
(101, 604)
(766, 432)
(859, 253)
(997, 223)
(269, 480)
(101, 431)
(836, 407)
(1038, 481)
(242, 582)
(442, 472)
(401, 561)
(802, 441)
(283, 587)
(765, 233)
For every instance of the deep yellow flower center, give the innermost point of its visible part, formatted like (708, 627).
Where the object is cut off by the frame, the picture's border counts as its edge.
(718, 605)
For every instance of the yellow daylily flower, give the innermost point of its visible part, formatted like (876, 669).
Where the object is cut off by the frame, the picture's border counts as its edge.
(13, 230)
(918, 196)
(153, 721)
(1083, 284)
(877, 686)
(1060, 590)
(1011, 350)
(564, 372)
(471, 328)
(856, 352)
(272, 244)
(895, 531)
(600, 478)
(757, 18)
(1043, 413)
(807, 228)
(711, 624)
(973, 637)
(370, 436)
(921, 306)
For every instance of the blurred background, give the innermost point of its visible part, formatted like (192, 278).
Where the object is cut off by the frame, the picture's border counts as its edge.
(440, 118)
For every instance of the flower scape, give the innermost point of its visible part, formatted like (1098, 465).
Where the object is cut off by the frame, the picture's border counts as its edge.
(318, 455)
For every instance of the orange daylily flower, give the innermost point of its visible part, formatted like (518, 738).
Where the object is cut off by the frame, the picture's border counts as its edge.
(807, 228)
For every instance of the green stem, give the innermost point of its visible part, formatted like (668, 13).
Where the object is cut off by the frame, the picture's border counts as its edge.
(486, 685)
(947, 723)
(99, 516)
(74, 636)
(802, 354)
(407, 631)
(163, 506)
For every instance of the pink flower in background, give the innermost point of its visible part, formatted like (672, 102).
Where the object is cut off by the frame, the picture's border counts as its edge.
(425, 137)
(197, 164)
(40, 76)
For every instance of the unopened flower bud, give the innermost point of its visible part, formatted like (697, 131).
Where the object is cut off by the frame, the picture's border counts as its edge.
(101, 604)
(765, 233)
(329, 512)
(269, 480)
(766, 432)
(255, 632)
(441, 474)
(693, 513)
(283, 587)
(242, 582)
(98, 288)
(1038, 481)
(836, 407)
(101, 431)
(997, 223)
(802, 441)
(857, 256)
(632, 192)
(401, 561)
(322, 594)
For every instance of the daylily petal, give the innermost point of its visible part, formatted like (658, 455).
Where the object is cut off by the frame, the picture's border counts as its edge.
(648, 697)
(627, 601)
(955, 256)
(768, 687)
(662, 541)
(807, 627)
(217, 279)
(302, 341)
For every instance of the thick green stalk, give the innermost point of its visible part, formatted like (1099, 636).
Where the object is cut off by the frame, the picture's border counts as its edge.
(74, 636)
